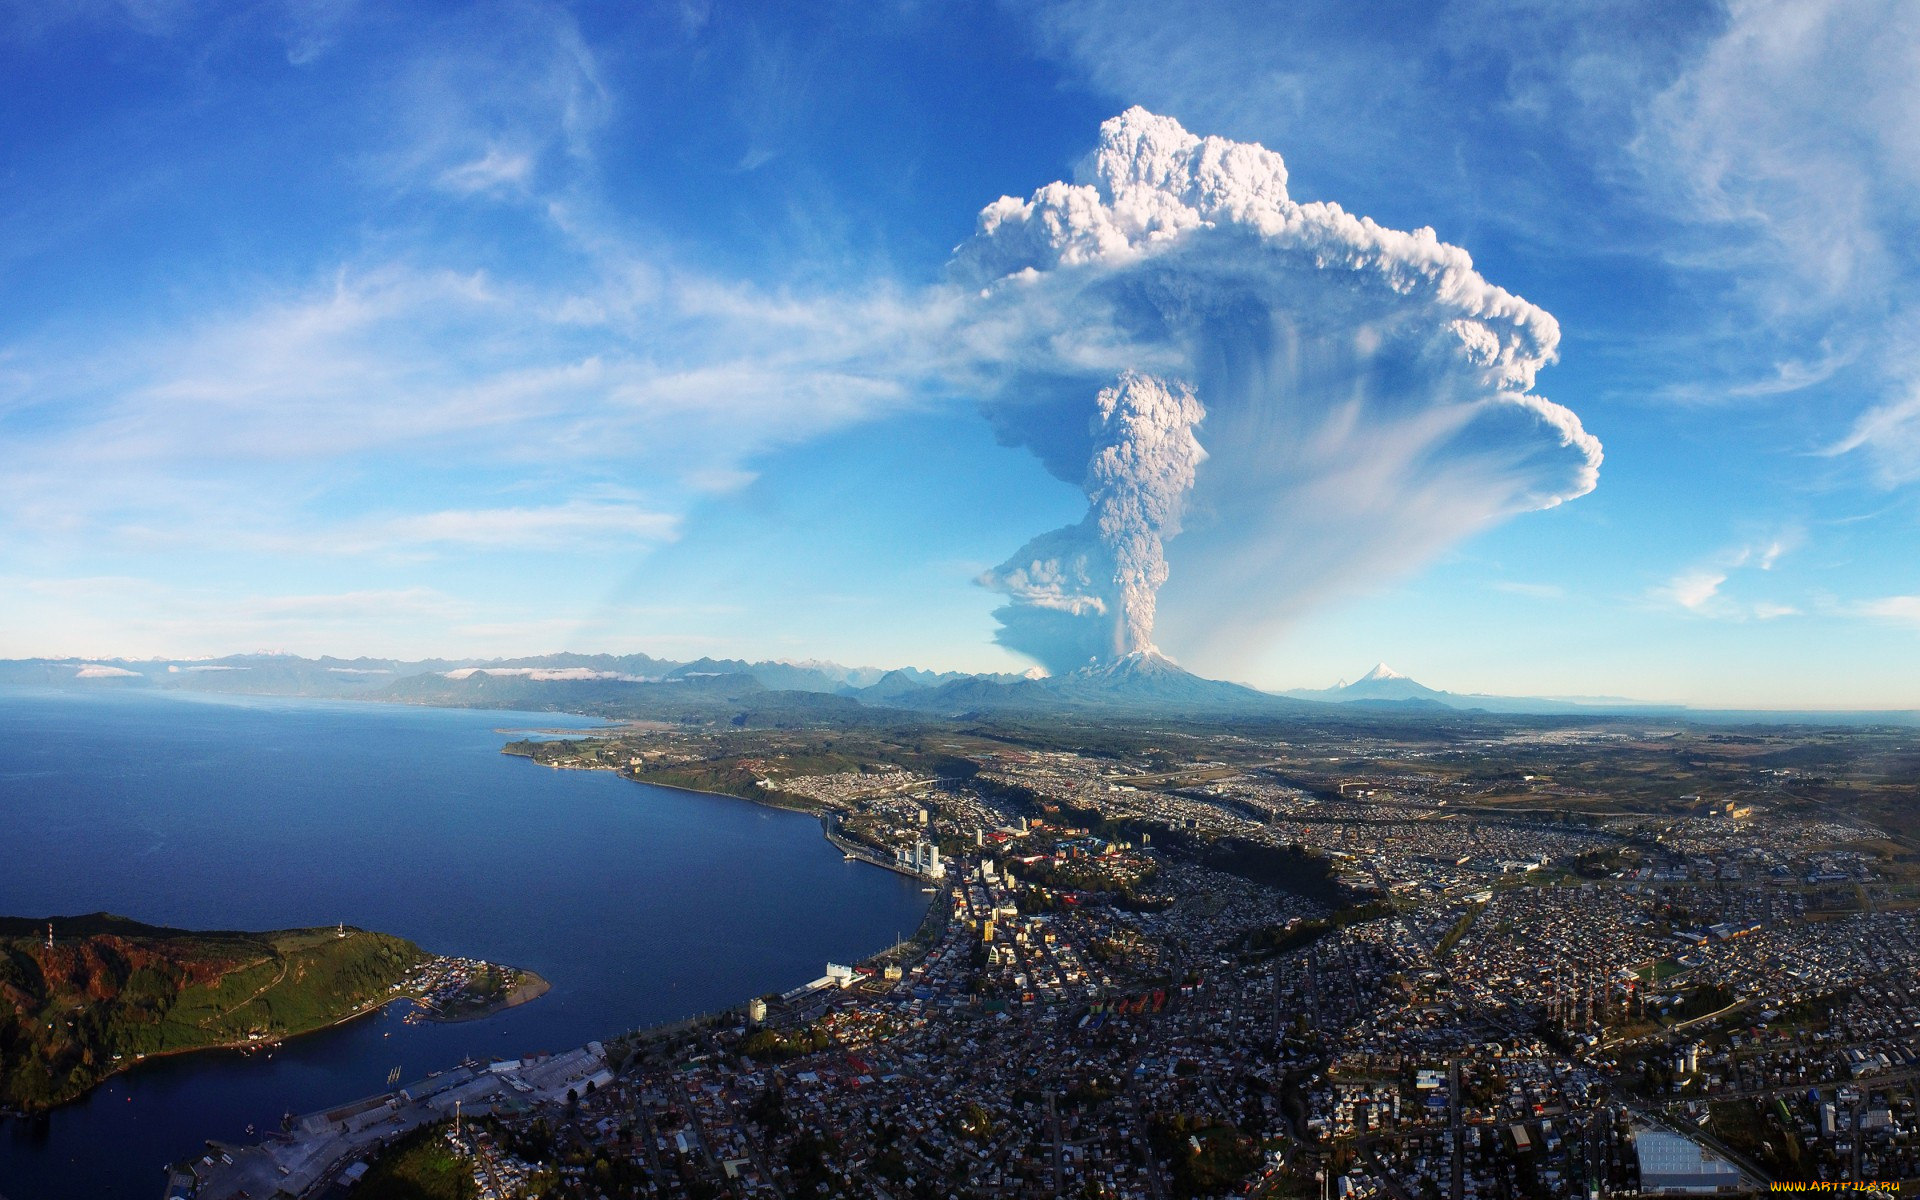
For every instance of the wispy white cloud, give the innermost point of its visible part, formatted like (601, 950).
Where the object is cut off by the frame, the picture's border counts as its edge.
(567, 527)
(1793, 143)
(1700, 589)
(497, 168)
(517, 91)
(1899, 610)
(255, 424)
(1694, 590)
(1797, 123)
(1765, 556)
(1890, 434)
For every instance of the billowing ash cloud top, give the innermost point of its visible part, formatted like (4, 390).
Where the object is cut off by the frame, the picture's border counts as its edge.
(1366, 394)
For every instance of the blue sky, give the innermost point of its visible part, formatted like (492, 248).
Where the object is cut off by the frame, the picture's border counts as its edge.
(504, 328)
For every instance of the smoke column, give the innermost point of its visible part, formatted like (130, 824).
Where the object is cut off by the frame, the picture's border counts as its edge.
(1107, 570)
(1138, 484)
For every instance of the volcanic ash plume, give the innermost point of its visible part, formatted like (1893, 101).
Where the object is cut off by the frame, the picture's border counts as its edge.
(1104, 574)
(1369, 397)
(1138, 483)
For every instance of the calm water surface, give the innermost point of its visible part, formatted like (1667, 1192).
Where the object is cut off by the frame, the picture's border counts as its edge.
(639, 904)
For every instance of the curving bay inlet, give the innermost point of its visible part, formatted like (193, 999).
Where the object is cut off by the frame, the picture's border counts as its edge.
(638, 904)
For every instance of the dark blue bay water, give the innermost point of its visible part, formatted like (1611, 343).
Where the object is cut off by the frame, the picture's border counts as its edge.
(640, 904)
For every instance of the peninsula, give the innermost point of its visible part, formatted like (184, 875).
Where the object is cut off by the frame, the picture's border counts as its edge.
(84, 997)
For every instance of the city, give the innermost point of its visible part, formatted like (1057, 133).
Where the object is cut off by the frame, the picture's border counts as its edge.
(1132, 981)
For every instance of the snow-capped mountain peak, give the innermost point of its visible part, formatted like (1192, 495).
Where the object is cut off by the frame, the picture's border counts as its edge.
(1383, 683)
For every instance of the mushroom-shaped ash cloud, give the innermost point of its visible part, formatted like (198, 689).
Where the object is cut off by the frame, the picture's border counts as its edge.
(1367, 397)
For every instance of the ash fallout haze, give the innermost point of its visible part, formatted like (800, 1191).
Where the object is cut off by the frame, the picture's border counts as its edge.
(973, 337)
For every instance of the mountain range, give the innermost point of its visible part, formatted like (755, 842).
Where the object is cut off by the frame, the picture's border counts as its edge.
(1145, 681)
(779, 691)
(1385, 688)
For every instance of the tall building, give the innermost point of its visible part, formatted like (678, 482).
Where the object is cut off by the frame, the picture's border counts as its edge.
(925, 858)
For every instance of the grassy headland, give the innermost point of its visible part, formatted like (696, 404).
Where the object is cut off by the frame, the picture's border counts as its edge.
(108, 992)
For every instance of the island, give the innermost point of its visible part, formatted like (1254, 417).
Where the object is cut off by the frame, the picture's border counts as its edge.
(84, 997)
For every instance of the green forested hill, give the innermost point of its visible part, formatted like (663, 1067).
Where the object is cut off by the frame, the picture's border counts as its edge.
(110, 991)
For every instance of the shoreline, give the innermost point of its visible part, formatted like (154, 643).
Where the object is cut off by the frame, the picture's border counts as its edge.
(527, 991)
(531, 987)
(667, 1028)
(243, 1047)
(521, 994)
(762, 801)
(827, 818)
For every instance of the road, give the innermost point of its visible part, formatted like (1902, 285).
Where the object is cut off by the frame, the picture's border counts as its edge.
(1053, 1125)
(1906, 1075)
(1459, 1131)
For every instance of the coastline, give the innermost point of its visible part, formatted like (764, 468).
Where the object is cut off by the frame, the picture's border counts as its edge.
(86, 1113)
(762, 801)
(245, 1047)
(827, 818)
(935, 912)
(531, 988)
